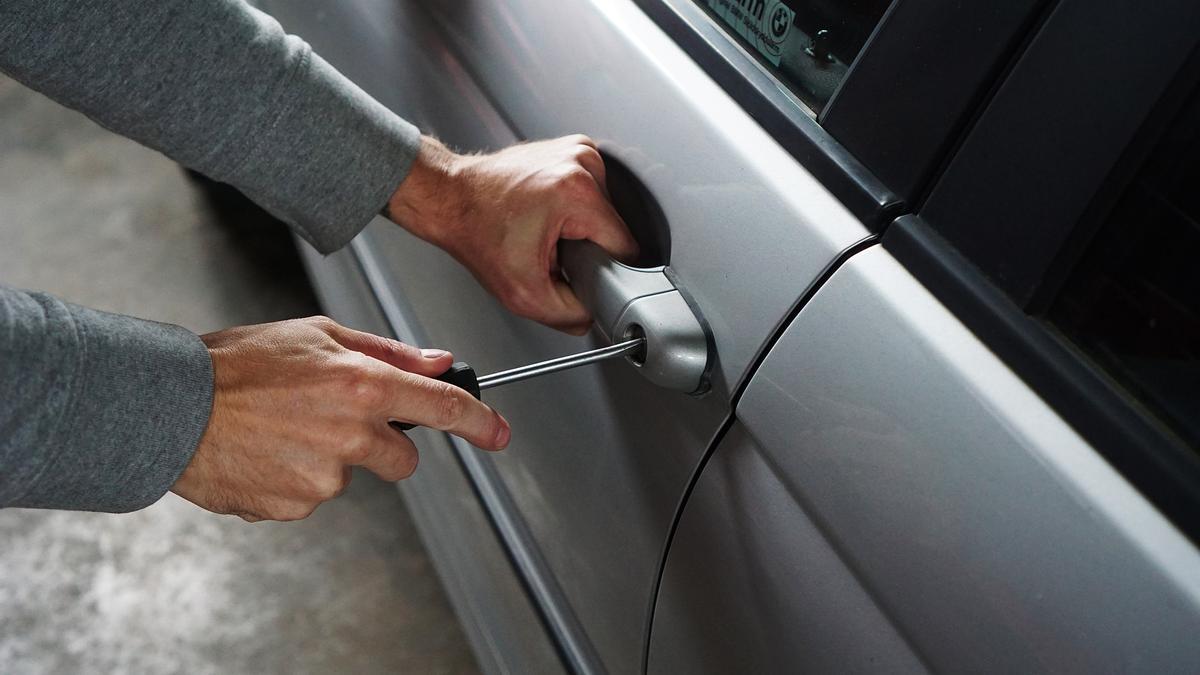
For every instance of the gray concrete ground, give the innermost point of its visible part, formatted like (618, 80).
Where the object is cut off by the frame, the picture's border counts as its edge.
(104, 222)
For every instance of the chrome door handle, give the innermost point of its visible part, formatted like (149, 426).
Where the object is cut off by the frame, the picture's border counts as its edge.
(628, 302)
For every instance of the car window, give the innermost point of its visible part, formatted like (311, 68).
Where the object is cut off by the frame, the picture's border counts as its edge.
(807, 44)
(1133, 302)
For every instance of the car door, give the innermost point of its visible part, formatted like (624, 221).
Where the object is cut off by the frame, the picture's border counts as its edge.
(591, 481)
(975, 449)
(586, 493)
(737, 158)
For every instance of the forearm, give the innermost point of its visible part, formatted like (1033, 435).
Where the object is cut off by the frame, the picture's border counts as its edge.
(100, 412)
(219, 87)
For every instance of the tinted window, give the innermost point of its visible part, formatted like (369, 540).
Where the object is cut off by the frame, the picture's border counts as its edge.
(808, 44)
(1133, 304)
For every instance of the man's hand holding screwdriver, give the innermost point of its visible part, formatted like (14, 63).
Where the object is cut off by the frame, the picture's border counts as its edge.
(298, 403)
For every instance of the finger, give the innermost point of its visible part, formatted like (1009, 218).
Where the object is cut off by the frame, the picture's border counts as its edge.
(580, 139)
(601, 224)
(589, 158)
(393, 456)
(563, 310)
(428, 362)
(439, 405)
(547, 299)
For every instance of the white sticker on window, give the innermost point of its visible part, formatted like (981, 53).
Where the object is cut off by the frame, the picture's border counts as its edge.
(766, 24)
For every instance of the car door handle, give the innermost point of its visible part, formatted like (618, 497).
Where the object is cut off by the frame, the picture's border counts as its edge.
(629, 302)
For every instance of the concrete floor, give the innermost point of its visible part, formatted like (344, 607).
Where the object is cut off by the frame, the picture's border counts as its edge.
(104, 222)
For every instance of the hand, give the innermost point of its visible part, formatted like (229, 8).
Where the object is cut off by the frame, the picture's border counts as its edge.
(298, 403)
(501, 216)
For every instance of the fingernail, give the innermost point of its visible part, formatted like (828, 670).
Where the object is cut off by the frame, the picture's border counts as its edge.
(432, 354)
(504, 434)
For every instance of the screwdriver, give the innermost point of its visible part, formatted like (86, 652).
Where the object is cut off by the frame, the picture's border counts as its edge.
(463, 376)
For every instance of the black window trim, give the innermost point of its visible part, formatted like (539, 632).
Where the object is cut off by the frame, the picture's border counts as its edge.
(900, 165)
(919, 81)
(1025, 174)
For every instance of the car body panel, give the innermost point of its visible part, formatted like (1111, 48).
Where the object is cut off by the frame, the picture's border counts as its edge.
(752, 585)
(599, 456)
(989, 534)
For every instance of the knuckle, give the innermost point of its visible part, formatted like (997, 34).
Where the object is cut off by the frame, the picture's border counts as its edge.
(449, 406)
(400, 349)
(361, 389)
(355, 449)
(327, 486)
(346, 368)
(322, 323)
(585, 153)
(368, 391)
(576, 179)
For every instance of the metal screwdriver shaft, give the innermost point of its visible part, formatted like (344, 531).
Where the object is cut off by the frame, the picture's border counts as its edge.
(561, 363)
(462, 375)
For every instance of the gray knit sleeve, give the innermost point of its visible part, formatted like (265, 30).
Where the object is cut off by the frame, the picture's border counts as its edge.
(99, 412)
(219, 87)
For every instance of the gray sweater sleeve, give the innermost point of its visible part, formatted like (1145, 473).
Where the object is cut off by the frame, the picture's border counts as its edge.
(98, 412)
(218, 86)
(103, 412)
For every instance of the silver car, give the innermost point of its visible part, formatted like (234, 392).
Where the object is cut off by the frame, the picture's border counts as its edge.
(920, 287)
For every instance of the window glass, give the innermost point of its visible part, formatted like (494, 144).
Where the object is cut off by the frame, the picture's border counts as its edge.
(808, 44)
(1133, 304)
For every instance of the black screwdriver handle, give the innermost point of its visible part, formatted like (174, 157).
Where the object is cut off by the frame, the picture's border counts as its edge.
(461, 375)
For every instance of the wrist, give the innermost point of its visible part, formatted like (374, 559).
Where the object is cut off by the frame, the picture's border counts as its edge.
(425, 201)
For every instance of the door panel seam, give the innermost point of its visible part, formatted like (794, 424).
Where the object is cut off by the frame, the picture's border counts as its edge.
(859, 246)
